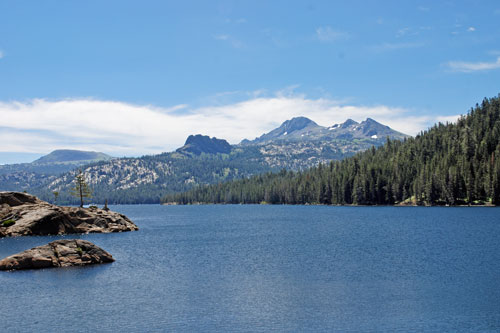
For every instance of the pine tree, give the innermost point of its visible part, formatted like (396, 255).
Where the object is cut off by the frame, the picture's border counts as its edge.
(81, 189)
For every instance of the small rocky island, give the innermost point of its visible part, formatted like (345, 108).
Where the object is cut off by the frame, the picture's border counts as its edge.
(60, 253)
(22, 214)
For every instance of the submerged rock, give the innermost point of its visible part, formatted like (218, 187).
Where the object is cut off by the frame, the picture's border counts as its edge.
(60, 253)
(22, 214)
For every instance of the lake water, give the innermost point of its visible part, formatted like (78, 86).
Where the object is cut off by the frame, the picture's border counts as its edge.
(263, 268)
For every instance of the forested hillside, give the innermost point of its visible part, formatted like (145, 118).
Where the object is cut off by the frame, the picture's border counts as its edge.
(450, 164)
(298, 144)
(148, 178)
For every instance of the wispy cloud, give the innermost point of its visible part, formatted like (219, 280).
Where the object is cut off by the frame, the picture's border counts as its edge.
(221, 37)
(240, 20)
(408, 31)
(471, 29)
(120, 129)
(396, 46)
(468, 67)
(328, 34)
(228, 38)
(402, 32)
(1, 54)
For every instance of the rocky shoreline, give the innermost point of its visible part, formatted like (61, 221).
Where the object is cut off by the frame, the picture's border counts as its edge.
(22, 214)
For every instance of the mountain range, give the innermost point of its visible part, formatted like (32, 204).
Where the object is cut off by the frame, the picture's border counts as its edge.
(302, 129)
(297, 144)
(450, 164)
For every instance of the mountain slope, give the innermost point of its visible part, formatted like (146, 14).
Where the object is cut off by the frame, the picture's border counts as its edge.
(449, 164)
(289, 130)
(202, 160)
(22, 176)
(72, 156)
(148, 178)
(56, 162)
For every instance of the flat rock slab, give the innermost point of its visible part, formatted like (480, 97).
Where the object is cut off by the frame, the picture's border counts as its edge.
(22, 214)
(60, 253)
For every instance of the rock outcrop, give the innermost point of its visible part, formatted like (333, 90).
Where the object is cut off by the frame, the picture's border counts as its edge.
(22, 214)
(198, 144)
(60, 253)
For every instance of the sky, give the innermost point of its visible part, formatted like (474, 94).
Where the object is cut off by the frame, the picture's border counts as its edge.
(130, 78)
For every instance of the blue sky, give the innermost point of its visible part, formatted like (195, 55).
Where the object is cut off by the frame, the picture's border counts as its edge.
(137, 77)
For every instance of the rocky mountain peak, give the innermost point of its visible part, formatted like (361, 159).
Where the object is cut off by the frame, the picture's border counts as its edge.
(297, 123)
(348, 123)
(288, 130)
(198, 144)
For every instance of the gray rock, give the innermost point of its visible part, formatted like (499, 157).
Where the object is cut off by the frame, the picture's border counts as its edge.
(60, 253)
(22, 214)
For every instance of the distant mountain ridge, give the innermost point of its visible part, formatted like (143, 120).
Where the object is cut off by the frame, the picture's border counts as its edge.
(304, 129)
(298, 144)
(17, 177)
(290, 129)
(56, 162)
(72, 156)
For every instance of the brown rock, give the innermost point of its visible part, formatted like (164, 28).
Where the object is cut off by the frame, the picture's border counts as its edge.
(60, 253)
(22, 214)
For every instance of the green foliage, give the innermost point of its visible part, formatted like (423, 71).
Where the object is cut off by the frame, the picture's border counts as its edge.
(450, 164)
(81, 189)
(56, 195)
(8, 223)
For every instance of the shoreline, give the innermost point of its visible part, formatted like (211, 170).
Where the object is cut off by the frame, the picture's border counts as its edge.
(310, 204)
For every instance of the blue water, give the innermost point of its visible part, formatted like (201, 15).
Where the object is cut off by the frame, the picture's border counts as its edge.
(271, 268)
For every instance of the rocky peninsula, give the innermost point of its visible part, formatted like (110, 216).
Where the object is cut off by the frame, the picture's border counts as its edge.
(22, 214)
(60, 253)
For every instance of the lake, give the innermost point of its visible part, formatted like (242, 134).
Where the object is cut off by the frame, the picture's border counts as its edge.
(271, 268)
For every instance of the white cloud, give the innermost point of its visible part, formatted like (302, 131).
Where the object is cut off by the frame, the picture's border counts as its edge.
(471, 29)
(1, 54)
(327, 34)
(241, 20)
(233, 41)
(221, 37)
(118, 128)
(402, 32)
(468, 67)
(396, 46)
(448, 119)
